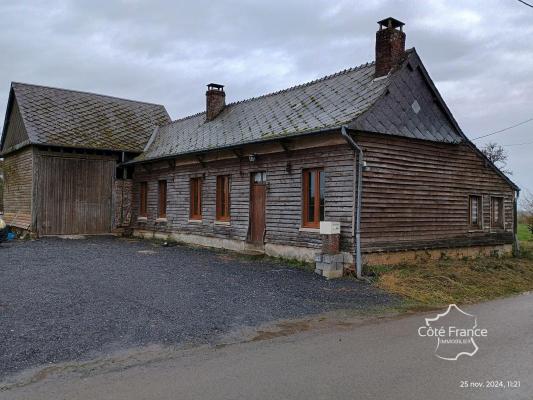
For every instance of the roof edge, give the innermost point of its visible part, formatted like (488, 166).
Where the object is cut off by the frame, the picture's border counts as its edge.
(15, 148)
(89, 93)
(268, 140)
(6, 117)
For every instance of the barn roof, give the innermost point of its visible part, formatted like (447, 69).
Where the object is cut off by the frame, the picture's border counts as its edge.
(326, 103)
(60, 117)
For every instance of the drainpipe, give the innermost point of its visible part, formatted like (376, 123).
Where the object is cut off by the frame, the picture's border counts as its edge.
(516, 246)
(359, 178)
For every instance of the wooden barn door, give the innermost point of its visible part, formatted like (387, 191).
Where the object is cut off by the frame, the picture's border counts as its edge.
(74, 195)
(257, 207)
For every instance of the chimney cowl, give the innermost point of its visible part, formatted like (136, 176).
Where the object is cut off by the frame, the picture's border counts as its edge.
(215, 100)
(390, 45)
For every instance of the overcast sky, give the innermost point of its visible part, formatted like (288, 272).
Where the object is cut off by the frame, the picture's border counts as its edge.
(479, 53)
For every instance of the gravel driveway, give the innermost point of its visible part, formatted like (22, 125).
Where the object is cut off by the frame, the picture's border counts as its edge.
(70, 299)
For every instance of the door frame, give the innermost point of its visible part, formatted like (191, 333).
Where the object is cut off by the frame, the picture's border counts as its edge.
(264, 184)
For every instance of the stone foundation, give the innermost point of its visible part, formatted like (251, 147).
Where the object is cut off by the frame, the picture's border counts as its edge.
(397, 257)
(332, 267)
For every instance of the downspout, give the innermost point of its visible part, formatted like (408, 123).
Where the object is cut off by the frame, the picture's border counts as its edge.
(357, 211)
(516, 246)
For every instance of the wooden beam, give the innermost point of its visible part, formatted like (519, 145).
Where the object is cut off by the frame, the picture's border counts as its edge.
(172, 164)
(286, 146)
(200, 158)
(238, 153)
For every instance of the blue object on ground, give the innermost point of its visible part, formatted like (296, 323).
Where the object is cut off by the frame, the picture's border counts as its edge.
(11, 236)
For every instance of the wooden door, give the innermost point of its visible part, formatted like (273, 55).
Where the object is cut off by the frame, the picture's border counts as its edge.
(74, 195)
(257, 207)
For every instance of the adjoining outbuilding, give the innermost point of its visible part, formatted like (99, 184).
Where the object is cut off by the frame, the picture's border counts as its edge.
(62, 149)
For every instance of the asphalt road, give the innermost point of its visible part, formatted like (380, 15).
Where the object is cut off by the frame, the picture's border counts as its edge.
(372, 360)
(64, 300)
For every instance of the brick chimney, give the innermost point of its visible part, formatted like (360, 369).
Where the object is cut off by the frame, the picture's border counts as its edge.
(390, 45)
(215, 100)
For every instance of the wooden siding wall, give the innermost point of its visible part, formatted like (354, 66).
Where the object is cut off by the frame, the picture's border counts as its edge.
(16, 132)
(416, 195)
(284, 198)
(18, 171)
(73, 193)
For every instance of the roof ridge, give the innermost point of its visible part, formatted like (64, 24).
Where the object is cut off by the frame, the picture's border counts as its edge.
(186, 117)
(301, 85)
(85, 92)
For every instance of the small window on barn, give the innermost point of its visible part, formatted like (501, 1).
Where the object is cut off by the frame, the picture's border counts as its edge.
(162, 197)
(223, 198)
(196, 199)
(143, 199)
(313, 190)
(475, 212)
(496, 212)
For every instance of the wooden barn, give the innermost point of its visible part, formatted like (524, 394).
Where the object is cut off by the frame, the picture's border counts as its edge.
(61, 149)
(261, 174)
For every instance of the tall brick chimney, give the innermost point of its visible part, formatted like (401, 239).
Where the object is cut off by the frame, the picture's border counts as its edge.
(215, 100)
(390, 45)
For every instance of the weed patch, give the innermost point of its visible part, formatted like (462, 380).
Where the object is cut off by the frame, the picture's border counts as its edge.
(437, 283)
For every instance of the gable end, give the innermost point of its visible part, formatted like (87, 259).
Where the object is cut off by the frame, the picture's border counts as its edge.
(411, 107)
(14, 133)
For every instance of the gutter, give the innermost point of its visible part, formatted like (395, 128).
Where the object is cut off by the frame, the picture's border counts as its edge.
(357, 210)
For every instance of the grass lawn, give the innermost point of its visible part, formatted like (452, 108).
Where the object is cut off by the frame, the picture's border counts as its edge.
(469, 280)
(523, 233)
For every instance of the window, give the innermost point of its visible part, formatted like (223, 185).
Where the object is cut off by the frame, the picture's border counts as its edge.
(196, 198)
(143, 199)
(223, 198)
(496, 210)
(475, 212)
(313, 197)
(162, 196)
(259, 177)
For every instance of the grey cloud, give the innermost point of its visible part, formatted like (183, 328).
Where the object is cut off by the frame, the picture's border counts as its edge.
(166, 51)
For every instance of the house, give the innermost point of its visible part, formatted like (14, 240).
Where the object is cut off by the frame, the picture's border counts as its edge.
(374, 148)
(61, 150)
(262, 173)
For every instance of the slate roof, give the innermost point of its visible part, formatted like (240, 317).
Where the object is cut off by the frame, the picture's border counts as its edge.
(325, 103)
(70, 118)
(351, 97)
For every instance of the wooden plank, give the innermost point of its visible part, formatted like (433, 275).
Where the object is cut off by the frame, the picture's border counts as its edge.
(18, 187)
(75, 195)
(415, 190)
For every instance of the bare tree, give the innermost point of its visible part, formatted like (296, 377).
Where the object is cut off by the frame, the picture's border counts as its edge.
(497, 155)
(527, 206)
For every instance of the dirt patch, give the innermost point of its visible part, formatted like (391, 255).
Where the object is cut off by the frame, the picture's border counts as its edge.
(284, 329)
